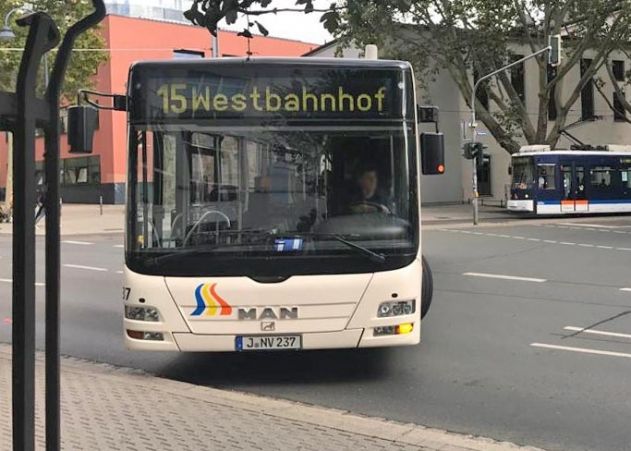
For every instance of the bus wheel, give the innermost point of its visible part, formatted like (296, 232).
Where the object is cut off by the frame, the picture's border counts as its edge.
(427, 288)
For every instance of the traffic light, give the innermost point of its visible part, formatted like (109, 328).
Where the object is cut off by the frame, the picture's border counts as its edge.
(473, 150)
(432, 153)
(554, 56)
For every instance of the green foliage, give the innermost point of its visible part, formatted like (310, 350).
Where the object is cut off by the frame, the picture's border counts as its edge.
(459, 37)
(83, 65)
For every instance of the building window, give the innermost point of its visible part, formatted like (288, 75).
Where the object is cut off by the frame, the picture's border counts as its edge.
(619, 113)
(587, 93)
(482, 95)
(187, 54)
(552, 108)
(517, 79)
(617, 67)
(81, 171)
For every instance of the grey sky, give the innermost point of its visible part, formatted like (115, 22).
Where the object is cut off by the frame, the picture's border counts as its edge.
(300, 26)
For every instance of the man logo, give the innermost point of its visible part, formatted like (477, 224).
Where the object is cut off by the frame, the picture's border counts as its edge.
(268, 326)
(209, 303)
(255, 313)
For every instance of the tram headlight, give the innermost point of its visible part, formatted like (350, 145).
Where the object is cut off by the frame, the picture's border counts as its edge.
(396, 308)
(138, 313)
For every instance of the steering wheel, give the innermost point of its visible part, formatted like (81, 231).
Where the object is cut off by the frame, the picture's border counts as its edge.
(200, 220)
(365, 206)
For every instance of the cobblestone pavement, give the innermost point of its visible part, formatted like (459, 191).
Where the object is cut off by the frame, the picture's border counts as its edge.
(107, 408)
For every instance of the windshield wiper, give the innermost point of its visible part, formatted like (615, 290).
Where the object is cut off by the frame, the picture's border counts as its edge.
(372, 255)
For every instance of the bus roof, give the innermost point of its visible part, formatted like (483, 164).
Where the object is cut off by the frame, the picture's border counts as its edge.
(296, 61)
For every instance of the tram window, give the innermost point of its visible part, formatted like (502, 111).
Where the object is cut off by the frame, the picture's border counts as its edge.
(545, 176)
(625, 174)
(601, 176)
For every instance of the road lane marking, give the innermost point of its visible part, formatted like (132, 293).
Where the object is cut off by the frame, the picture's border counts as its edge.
(119, 246)
(583, 350)
(583, 224)
(81, 243)
(604, 247)
(89, 268)
(37, 284)
(534, 239)
(119, 272)
(623, 248)
(503, 276)
(597, 332)
(625, 289)
(550, 241)
(569, 244)
(585, 245)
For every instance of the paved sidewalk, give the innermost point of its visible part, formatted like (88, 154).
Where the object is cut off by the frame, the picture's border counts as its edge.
(83, 219)
(108, 408)
(462, 213)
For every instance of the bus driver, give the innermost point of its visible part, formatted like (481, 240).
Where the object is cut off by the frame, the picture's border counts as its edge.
(368, 198)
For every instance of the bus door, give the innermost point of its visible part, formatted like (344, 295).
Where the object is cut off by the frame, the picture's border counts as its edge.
(573, 179)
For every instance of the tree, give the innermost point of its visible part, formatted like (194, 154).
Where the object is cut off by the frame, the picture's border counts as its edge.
(463, 37)
(83, 64)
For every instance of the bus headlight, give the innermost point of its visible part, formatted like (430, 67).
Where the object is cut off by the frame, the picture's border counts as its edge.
(142, 313)
(396, 308)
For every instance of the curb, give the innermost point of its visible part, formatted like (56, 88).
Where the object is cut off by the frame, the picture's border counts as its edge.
(341, 420)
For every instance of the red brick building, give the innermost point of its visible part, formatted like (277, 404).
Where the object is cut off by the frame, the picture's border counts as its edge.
(128, 39)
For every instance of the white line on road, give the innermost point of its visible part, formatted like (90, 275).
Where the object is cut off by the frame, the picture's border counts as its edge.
(534, 239)
(550, 241)
(569, 244)
(119, 246)
(597, 332)
(89, 268)
(81, 243)
(604, 247)
(625, 289)
(119, 272)
(585, 245)
(583, 350)
(503, 276)
(623, 248)
(37, 284)
(583, 224)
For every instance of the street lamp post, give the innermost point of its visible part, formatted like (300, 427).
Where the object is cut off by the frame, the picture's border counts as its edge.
(7, 34)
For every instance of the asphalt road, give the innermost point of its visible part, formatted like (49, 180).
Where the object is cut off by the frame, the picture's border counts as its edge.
(502, 352)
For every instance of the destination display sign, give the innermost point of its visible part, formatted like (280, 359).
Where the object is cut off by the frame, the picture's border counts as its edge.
(224, 92)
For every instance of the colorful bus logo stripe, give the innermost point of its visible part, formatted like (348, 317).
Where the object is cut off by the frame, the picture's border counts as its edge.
(209, 303)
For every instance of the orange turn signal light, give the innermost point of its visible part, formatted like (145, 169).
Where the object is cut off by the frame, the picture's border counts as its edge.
(404, 328)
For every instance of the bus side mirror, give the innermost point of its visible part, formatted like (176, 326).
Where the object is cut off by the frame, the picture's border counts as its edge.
(510, 170)
(432, 153)
(82, 122)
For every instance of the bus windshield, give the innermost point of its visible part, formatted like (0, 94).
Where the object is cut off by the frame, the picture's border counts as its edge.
(523, 172)
(209, 200)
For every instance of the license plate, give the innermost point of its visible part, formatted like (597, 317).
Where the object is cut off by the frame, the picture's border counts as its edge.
(267, 342)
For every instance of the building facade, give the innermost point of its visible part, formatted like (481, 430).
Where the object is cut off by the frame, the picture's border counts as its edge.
(102, 175)
(493, 178)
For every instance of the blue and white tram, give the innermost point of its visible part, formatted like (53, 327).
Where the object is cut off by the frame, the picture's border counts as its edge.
(551, 182)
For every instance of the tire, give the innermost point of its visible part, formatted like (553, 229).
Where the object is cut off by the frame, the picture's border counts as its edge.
(427, 291)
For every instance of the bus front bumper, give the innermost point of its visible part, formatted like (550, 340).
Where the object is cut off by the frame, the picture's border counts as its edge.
(348, 338)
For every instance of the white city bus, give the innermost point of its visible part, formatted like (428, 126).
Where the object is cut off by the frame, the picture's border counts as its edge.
(274, 204)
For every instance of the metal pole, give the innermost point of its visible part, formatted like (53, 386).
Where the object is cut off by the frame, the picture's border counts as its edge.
(473, 125)
(215, 44)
